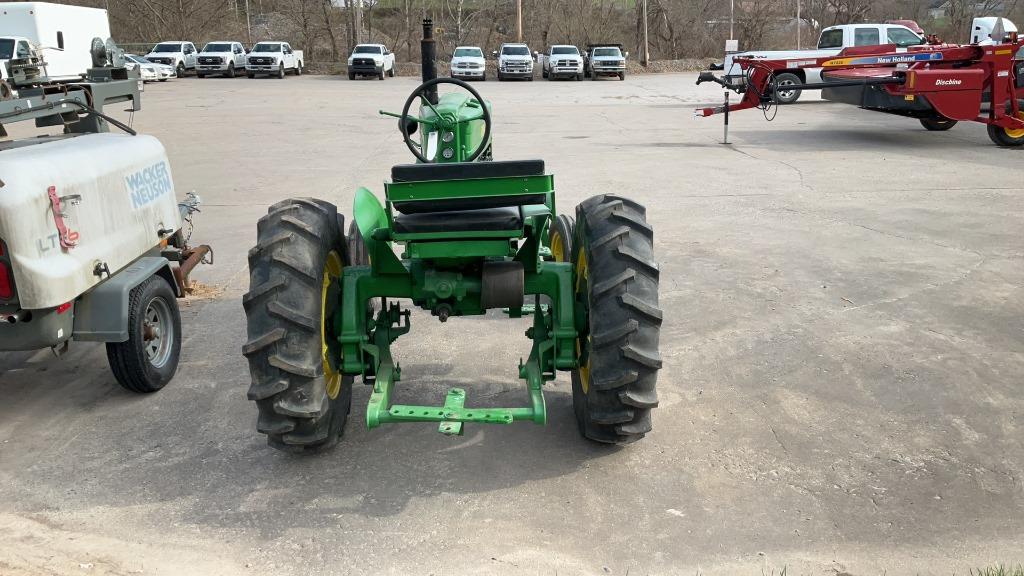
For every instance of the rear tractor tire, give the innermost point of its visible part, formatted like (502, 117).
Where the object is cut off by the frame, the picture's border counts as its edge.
(613, 390)
(294, 290)
(147, 361)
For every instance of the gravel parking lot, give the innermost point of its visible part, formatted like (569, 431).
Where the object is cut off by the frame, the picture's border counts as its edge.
(843, 348)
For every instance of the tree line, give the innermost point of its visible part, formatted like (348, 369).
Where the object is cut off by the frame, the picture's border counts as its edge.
(327, 29)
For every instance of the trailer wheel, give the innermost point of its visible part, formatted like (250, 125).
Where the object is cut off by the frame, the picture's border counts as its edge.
(294, 290)
(787, 96)
(147, 361)
(616, 286)
(1008, 138)
(938, 124)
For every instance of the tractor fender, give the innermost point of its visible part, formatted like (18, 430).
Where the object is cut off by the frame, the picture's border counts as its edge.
(101, 315)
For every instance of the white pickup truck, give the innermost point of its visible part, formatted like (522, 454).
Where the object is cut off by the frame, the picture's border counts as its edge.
(223, 57)
(561, 60)
(373, 60)
(831, 42)
(273, 59)
(177, 54)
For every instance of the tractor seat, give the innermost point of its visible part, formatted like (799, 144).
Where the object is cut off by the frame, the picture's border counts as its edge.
(466, 170)
(478, 220)
(410, 173)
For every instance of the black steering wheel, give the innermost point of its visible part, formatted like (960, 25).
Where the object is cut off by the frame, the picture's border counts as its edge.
(441, 123)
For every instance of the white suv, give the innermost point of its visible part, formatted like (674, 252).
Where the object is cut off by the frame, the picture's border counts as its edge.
(177, 54)
(221, 58)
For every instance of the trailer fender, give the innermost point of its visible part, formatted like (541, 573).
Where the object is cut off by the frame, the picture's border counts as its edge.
(101, 315)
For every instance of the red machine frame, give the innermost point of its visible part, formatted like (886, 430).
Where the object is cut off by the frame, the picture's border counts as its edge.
(940, 83)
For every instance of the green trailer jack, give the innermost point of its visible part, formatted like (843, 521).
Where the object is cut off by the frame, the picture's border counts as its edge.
(457, 234)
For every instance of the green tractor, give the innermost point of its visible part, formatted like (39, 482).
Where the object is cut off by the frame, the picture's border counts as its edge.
(475, 235)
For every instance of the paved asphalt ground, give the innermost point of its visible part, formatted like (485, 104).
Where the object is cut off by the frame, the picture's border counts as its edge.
(843, 360)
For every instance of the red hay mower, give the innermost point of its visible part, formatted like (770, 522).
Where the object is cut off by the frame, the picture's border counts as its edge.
(939, 84)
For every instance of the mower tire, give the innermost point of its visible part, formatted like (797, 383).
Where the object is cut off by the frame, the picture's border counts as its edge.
(613, 391)
(294, 284)
(939, 124)
(1008, 138)
(787, 96)
(147, 361)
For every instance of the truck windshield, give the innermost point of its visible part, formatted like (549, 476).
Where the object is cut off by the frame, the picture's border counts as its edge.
(261, 47)
(167, 48)
(607, 52)
(515, 51)
(831, 39)
(367, 50)
(468, 52)
(6, 48)
(565, 50)
(217, 48)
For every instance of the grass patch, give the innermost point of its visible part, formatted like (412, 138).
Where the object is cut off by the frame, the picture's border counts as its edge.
(999, 570)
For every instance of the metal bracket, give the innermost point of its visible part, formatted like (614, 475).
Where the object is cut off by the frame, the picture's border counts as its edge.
(67, 242)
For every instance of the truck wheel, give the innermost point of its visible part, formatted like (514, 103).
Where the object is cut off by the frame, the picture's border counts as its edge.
(147, 361)
(298, 68)
(579, 77)
(231, 70)
(380, 75)
(939, 124)
(200, 75)
(351, 75)
(250, 75)
(280, 71)
(294, 290)
(391, 72)
(616, 276)
(500, 77)
(787, 96)
(622, 76)
(180, 70)
(544, 73)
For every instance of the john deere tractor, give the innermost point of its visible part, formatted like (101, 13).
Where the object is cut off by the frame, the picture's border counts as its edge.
(473, 234)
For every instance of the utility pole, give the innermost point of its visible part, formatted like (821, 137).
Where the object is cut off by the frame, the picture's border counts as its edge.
(519, 20)
(647, 51)
(248, 25)
(798, 24)
(732, 12)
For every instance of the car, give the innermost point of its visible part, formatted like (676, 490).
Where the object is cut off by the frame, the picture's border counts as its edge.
(273, 59)
(605, 60)
(177, 54)
(514, 61)
(371, 60)
(468, 62)
(561, 60)
(222, 57)
(148, 71)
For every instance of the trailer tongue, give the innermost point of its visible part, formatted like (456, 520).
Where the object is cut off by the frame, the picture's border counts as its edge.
(939, 84)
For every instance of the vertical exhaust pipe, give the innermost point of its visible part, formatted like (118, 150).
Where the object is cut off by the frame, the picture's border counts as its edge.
(428, 59)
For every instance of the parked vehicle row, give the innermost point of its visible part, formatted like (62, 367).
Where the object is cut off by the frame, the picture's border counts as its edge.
(228, 58)
(515, 61)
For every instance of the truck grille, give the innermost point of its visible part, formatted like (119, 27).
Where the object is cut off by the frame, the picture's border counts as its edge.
(211, 60)
(261, 61)
(363, 62)
(467, 65)
(160, 60)
(565, 63)
(517, 67)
